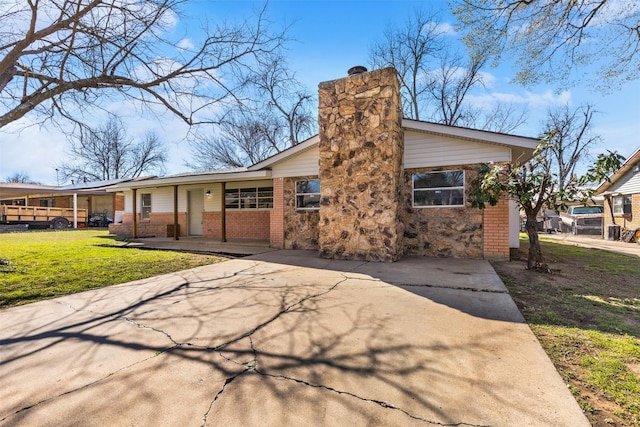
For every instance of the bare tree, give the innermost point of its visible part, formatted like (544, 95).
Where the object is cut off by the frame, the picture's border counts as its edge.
(553, 39)
(285, 100)
(410, 48)
(571, 142)
(451, 82)
(57, 58)
(20, 178)
(277, 117)
(108, 153)
(242, 139)
(436, 79)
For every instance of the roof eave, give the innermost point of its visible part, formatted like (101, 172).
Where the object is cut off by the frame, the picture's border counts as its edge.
(192, 180)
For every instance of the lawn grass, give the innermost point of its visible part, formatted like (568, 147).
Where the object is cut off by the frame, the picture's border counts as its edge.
(586, 315)
(41, 265)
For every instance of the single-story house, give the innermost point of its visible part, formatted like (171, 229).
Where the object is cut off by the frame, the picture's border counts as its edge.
(622, 195)
(371, 186)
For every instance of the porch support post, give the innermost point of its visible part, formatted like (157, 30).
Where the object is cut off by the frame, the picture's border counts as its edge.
(134, 230)
(75, 210)
(223, 213)
(175, 213)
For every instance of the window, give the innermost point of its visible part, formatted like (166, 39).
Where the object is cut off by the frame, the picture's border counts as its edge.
(308, 194)
(438, 189)
(249, 198)
(586, 210)
(146, 205)
(622, 205)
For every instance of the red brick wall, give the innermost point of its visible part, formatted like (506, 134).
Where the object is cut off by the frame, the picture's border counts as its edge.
(118, 202)
(276, 218)
(496, 230)
(250, 225)
(629, 221)
(155, 226)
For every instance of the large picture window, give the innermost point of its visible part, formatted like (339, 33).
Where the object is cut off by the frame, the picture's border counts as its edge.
(622, 205)
(249, 198)
(308, 194)
(438, 189)
(145, 210)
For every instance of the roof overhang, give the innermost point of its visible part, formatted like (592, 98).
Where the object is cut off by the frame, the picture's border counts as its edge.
(194, 179)
(299, 148)
(627, 166)
(19, 191)
(522, 147)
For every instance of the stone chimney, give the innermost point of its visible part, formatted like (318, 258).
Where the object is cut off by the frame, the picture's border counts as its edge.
(361, 148)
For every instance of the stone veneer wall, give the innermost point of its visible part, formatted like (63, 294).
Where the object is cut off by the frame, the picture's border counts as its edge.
(300, 226)
(361, 148)
(446, 231)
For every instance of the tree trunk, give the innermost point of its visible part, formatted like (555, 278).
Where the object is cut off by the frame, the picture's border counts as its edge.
(535, 260)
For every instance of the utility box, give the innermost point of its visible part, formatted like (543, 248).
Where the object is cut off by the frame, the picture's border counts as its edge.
(170, 228)
(613, 232)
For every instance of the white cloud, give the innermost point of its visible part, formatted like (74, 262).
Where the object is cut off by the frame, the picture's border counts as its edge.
(442, 28)
(185, 44)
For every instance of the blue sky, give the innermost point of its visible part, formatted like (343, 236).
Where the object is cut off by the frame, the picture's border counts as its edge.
(330, 36)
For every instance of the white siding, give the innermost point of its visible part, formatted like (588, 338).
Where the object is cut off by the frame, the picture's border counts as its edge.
(628, 184)
(426, 150)
(161, 199)
(301, 164)
(514, 224)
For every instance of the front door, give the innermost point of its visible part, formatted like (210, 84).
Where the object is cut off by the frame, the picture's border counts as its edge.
(194, 209)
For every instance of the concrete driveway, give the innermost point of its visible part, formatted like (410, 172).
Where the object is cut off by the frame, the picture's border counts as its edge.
(283, 338)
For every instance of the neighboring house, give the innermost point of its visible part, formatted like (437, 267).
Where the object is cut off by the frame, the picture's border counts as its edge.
(369, 186)
(622, 195)
(91, 196)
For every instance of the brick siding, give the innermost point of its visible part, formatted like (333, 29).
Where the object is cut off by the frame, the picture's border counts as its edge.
(276, 218)
(496, 230)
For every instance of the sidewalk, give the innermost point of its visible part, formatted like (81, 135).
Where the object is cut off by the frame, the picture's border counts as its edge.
(596, 242)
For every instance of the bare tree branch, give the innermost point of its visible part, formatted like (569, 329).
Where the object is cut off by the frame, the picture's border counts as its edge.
(108, 153)
(61, 56)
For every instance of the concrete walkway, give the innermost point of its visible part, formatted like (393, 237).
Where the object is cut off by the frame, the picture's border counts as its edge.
(203, 245)
(597, 242)
(284, 338)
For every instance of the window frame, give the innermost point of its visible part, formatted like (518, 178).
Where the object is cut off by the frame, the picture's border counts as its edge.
(304, 208)
(625, 205)
(435, 189)
(145, 210)
(252, 199)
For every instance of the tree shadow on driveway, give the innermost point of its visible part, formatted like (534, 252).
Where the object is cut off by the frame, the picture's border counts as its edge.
(250, 342)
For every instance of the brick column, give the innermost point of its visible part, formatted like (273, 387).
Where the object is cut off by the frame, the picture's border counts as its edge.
(276, 218)
(496, 231)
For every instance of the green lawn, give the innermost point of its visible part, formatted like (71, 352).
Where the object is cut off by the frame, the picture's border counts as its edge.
(47, 264)
(586, 315)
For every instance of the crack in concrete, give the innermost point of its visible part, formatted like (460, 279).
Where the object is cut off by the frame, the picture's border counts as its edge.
(92, 383)
(252, 365)
(381, 403)
(455, 288)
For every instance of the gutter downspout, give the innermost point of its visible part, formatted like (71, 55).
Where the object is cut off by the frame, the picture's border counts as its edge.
(175, 213)
(223, 213)
(134, 230)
